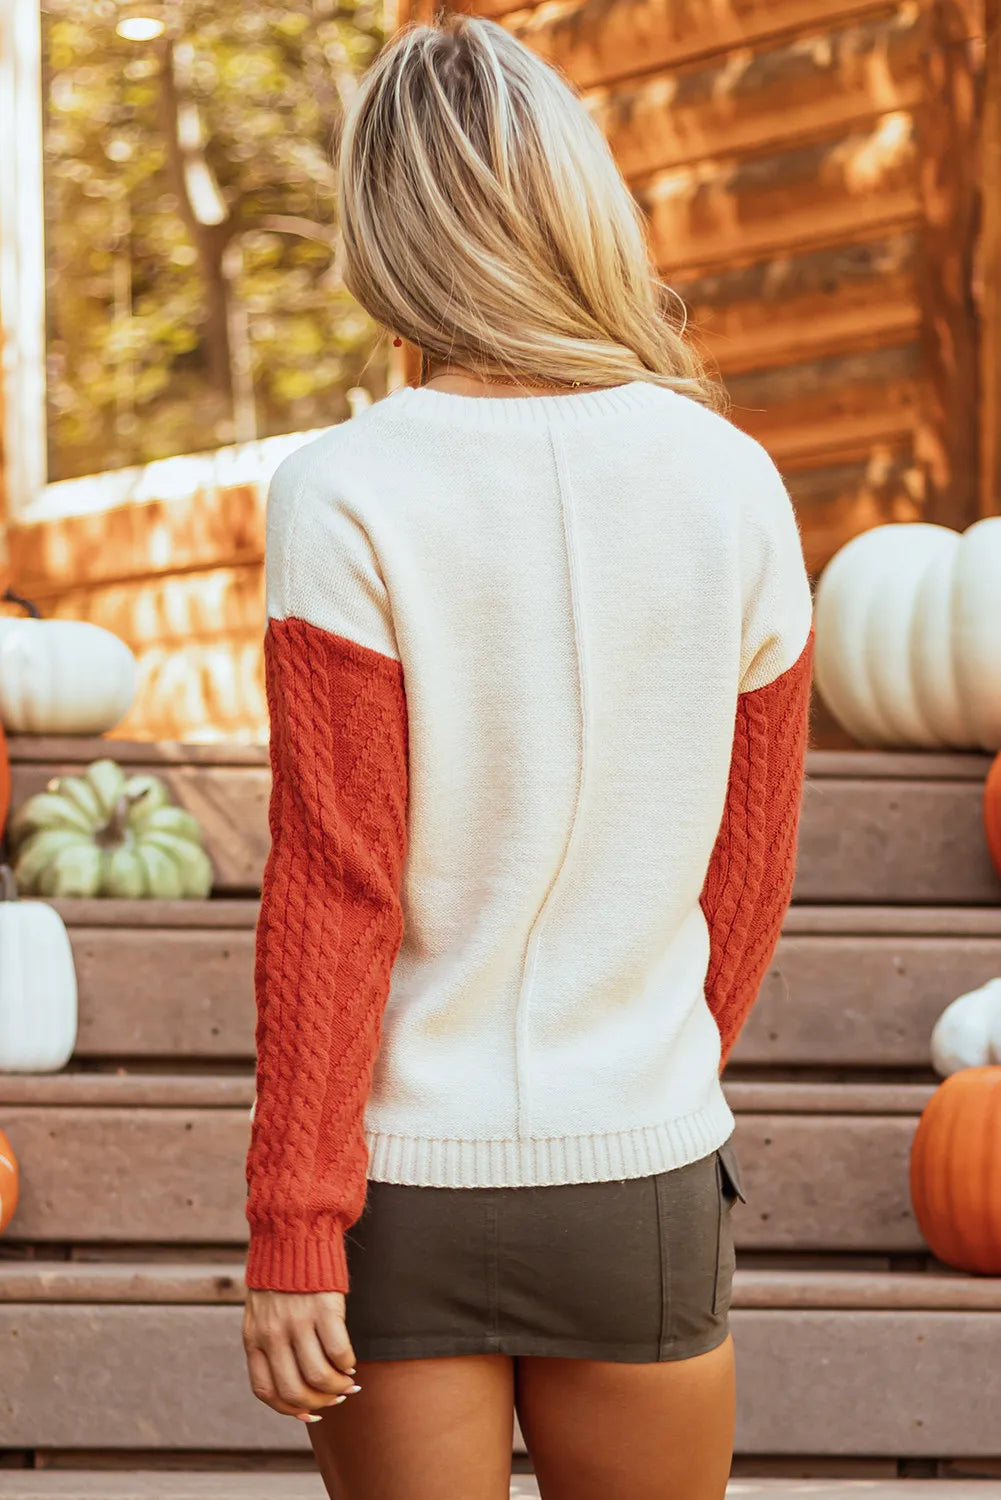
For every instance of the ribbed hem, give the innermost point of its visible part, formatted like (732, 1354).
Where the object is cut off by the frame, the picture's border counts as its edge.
(303, 1263)
(502, 413)
(423, 1161)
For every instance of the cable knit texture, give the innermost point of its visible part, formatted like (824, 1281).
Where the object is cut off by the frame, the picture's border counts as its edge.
(750, 878)
(508, 913)
(329, 929)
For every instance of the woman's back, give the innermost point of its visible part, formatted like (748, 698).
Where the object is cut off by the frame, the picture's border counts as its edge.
(577, 589)
(538, 676)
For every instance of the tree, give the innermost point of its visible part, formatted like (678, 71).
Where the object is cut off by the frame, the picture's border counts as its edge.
(193, 281)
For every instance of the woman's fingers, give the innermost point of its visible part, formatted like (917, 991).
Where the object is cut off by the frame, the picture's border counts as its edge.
(289, 1384)
(314, 1366)
(263, 1386)
(299, 1357)
(334, 1337)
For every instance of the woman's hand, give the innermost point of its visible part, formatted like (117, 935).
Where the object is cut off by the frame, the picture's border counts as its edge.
(299, 1356)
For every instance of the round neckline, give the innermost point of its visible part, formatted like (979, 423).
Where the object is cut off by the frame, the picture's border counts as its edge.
(497, 412)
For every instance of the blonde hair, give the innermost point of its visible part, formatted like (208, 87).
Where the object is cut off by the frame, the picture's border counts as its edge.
(485, 220)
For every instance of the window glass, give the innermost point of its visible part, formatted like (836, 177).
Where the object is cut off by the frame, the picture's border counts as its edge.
(193, 291)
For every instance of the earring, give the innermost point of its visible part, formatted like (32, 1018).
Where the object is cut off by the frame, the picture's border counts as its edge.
(397, 342)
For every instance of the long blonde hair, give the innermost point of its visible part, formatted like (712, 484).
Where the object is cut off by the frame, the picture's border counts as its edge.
(485, 220)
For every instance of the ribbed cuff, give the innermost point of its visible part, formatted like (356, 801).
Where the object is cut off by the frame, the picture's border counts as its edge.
(298, 1263)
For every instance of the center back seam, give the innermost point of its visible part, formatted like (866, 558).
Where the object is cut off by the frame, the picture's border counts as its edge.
(564, 491)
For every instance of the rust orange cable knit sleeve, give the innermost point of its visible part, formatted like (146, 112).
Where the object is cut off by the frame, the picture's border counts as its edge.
(329, 929)
(748, 886)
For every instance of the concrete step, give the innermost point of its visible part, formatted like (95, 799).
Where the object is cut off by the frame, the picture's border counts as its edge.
(147, 1356)
(120, 1157)
(194, 1000)
(153, 1485)
(877, 826)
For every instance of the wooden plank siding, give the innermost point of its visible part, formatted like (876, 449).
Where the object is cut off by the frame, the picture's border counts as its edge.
(601, 41)
(791, 161)
(829, 81)
(815, 176)
(183, 582)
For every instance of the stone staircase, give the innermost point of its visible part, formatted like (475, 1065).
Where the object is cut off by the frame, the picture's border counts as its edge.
(865, 1368)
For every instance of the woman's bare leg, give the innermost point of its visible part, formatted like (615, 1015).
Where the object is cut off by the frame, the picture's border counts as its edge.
(421, 1429)
(610, 1431)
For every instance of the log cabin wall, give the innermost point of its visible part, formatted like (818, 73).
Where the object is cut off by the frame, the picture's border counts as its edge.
(182, 581)
(808, 171)
(813, 174)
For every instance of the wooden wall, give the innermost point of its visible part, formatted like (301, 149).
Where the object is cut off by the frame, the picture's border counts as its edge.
(822, 181)
(809, 172)
(180, 580)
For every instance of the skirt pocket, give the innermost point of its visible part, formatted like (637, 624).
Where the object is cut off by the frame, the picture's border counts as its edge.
(728, 1189)
(730, 1163)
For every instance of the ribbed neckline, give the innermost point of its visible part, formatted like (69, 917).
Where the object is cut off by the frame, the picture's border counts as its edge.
(500, 413)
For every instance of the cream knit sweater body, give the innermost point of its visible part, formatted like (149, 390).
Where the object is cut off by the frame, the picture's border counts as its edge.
(578, 589)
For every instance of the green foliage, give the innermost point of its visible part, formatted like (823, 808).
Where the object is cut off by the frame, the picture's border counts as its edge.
(192, 285)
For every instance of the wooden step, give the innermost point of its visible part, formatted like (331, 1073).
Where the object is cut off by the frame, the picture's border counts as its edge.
(101, 1484)
(55, 1484)
(877, 827)
(851, 986)
(895, 828)
(218, 1283)
(860, 1489)
(133, 1158)
(863, 987)
(903, 1379)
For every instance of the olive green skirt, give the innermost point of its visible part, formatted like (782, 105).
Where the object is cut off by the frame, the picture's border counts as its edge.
(638, 1270)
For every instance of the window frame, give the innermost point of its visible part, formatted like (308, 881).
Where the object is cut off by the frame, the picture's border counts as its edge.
(22, 257)
(30, 495)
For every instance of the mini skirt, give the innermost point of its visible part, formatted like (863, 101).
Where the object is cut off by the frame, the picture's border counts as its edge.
(638, 1270)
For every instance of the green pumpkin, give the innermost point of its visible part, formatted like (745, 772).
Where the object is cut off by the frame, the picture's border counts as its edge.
(108, 834)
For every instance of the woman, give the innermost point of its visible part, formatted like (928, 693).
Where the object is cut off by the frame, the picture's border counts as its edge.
(538, 663)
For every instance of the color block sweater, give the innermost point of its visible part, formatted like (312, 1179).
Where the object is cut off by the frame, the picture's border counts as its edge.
(538, 673)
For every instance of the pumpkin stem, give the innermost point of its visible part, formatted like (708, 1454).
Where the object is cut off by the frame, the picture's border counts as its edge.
(11, 598)
(113, 832)
(8, 885)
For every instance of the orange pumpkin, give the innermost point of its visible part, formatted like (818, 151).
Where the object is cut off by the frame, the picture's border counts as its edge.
(992, 812)
(956, 1171)
(8, 1182)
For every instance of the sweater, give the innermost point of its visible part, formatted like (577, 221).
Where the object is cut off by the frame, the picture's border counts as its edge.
(538, 671)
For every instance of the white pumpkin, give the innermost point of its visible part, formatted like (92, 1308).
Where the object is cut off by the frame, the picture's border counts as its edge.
(38, 995)
(907, 636)
(968, 1032)
(63, 677)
